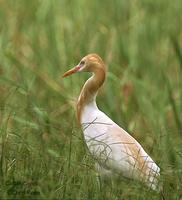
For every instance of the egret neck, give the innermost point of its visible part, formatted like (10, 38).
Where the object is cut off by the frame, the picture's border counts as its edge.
(87, 98)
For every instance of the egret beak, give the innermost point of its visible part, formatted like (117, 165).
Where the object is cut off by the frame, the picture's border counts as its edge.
(71, 71)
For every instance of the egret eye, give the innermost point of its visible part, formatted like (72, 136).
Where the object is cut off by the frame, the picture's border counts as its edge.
(82, 63)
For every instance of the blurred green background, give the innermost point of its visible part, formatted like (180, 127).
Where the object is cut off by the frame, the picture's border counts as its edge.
(42, 152)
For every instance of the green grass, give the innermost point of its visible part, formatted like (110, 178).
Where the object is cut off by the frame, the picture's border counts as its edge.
(42, 152)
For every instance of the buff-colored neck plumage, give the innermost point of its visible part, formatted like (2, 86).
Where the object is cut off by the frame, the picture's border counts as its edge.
(89, 91)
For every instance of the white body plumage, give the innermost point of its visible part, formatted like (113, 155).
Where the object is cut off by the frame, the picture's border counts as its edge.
(115, 150)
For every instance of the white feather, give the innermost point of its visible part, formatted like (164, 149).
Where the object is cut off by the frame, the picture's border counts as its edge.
(106, 141)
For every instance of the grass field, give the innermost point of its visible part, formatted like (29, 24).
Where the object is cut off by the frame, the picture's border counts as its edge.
(42, 152)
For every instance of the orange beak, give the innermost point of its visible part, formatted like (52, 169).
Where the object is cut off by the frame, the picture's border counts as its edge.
(71, 71)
